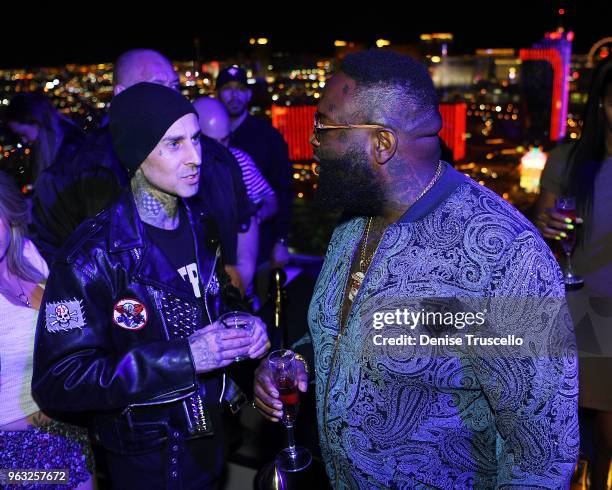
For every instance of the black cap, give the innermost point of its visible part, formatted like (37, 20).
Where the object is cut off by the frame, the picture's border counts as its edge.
(231, 74)
(140, 116)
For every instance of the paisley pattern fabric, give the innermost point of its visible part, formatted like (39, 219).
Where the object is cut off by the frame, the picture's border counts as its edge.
(440, 417)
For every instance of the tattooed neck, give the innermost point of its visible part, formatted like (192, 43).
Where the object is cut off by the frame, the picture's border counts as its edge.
(406, 187)
(155, 207)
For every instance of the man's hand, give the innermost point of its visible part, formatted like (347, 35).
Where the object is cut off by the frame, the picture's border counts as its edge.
(260, 341)
(215, 346)
(266, 395)
(280, 255)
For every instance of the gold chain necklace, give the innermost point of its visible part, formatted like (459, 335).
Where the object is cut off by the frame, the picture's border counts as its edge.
(357, 277)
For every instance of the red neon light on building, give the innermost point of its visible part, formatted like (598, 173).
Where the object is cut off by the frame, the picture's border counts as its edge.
(453, 128)
(295, 124)
(560, 89)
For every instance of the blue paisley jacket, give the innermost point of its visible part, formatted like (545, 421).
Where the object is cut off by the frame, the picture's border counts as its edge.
(447, 417)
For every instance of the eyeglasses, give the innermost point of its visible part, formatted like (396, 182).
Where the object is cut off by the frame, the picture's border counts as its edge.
(319, 126)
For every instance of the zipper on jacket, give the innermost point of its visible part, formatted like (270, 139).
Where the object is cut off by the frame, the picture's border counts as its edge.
(127, 412)
(182, 396)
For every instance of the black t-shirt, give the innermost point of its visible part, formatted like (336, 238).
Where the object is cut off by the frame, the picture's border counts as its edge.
(178, 247)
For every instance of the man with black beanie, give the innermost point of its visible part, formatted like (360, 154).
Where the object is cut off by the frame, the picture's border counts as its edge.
(75, 189)
(128, 332)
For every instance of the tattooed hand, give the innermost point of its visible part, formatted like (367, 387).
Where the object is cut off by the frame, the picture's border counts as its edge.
(260, 342)
(214, 346)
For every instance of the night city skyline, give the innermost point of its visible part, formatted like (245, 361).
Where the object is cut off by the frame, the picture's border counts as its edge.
(75, 36)
(490, 80)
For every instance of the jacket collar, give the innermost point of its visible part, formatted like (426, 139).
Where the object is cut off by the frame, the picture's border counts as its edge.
(127, 232)
(126, 228)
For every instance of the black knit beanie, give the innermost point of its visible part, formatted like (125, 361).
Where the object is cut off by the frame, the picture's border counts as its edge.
(140, 116)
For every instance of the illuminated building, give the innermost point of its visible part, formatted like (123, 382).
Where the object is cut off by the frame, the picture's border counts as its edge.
(453, 128)
(555, 49)
(532, 164)
(436, 44)
(295, 124)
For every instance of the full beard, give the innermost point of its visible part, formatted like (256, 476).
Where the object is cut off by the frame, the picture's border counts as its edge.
(347, 183)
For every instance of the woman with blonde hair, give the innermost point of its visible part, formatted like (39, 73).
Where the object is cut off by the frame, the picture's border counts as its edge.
(29, 439)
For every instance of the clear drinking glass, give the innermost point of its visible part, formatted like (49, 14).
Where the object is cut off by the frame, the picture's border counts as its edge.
(241, 320)
(566, 206)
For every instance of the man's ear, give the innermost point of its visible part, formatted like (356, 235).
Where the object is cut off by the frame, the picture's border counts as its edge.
(385, 145)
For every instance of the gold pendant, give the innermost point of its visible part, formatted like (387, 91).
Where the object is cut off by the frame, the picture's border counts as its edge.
(355, 283)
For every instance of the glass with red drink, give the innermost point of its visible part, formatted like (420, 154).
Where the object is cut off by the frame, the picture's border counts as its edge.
(283, 368)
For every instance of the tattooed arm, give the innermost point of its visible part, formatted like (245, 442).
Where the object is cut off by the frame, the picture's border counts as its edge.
(214, 346)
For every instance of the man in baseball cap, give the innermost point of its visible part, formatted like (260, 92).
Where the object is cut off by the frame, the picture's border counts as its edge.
(231, 74)
(266, 145)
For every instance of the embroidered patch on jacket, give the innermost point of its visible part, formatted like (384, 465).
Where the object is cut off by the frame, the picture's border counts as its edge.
(213, 285)
(130, 314)
(64, 315)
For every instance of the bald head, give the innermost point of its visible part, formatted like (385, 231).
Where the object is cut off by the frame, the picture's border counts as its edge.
(214, 119)
(143, 65)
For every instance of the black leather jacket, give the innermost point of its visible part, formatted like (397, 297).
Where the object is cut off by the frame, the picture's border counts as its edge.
(136, 382)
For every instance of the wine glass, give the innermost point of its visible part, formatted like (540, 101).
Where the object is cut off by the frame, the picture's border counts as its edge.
(282, 365)
(566, 206)
(241, 320)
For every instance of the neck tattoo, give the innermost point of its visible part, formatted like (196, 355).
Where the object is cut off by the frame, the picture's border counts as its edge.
(155, 207)
(358, 276)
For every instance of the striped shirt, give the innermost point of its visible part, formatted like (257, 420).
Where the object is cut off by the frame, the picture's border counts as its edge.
(257, 186)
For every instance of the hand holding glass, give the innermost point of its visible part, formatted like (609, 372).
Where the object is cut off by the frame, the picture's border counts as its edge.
(566, 206)
(283, 370)
(241, 320)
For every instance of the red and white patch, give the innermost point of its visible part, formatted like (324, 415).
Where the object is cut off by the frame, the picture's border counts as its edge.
(130, 314)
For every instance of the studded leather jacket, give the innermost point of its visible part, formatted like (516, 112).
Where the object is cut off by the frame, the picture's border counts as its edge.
(111, 341)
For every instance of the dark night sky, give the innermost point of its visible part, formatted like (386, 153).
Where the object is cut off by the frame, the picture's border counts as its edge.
(64, 34)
